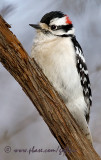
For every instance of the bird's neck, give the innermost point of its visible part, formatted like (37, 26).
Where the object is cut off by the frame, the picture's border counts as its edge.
(42, 38)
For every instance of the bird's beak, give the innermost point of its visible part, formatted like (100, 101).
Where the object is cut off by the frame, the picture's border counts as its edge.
(36, 26)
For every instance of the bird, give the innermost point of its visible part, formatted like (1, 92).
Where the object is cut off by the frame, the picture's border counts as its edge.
(60, 56)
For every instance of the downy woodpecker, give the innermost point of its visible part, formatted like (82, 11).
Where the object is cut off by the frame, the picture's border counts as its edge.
(61, 58)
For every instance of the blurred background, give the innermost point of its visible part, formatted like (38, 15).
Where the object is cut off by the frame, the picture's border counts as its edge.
(21, 127)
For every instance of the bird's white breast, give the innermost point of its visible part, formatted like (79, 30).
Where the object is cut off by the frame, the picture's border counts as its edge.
(57, 59)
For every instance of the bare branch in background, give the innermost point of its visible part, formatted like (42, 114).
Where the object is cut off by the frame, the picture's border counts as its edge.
(37, 87)
(6, 9)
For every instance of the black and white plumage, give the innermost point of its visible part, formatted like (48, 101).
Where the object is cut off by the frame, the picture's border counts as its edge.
(60, 56)
(84, 76)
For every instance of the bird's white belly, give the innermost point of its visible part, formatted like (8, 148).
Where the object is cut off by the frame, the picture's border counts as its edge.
(59, 66)
(62, 73)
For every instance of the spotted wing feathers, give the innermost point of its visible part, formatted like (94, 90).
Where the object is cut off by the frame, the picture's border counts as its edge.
(83, 72)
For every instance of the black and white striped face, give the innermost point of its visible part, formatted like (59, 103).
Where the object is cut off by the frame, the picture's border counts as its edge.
(55, 23)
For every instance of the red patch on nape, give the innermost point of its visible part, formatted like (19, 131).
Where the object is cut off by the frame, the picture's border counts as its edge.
(68, 21)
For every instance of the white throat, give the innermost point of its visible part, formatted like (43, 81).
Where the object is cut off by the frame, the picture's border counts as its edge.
(42, 37)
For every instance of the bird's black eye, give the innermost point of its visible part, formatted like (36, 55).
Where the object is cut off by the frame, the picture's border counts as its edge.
(53, 27)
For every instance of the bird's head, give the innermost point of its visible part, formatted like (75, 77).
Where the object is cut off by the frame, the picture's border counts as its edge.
(55, 23)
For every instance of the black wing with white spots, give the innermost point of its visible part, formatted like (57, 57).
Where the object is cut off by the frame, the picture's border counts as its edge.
(84, 77)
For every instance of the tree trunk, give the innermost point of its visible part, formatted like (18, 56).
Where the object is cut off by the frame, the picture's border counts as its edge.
(46, 100)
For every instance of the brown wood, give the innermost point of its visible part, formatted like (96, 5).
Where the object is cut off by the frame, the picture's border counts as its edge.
(46, 100)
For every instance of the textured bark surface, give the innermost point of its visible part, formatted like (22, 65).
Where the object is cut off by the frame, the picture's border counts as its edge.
(37, 87)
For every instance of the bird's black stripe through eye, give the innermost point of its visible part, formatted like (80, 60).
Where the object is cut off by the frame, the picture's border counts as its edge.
(66, 28)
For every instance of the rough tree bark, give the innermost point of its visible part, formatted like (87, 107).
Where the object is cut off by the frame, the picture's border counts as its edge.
(37, 87)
